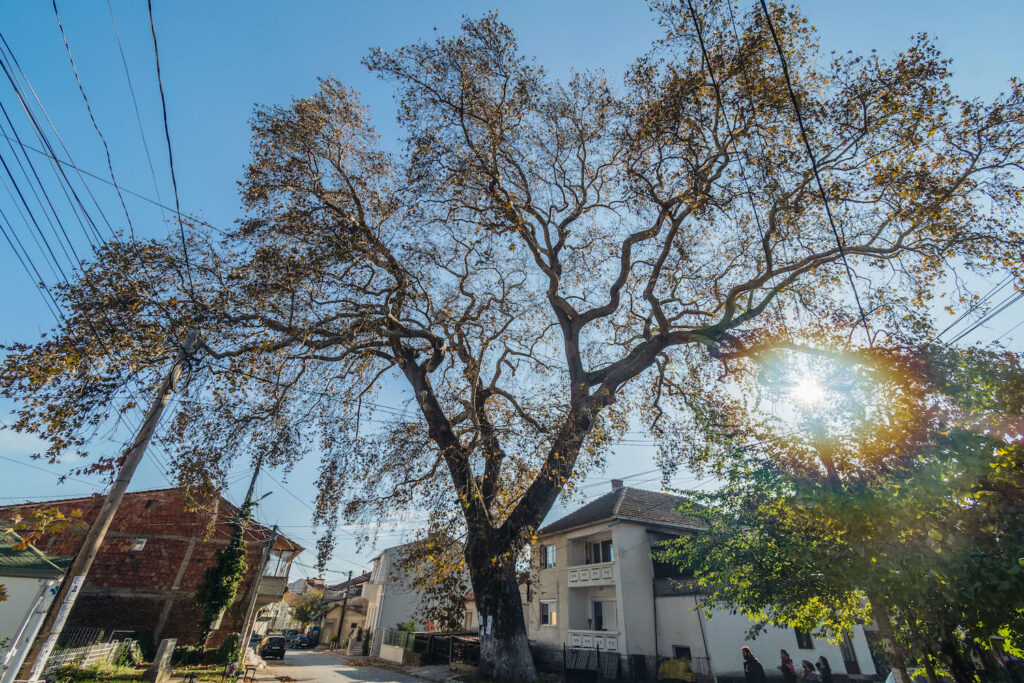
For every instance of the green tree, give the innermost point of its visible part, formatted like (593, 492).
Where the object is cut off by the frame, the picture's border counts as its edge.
(920, 514)
(311, 605)
(543, 260)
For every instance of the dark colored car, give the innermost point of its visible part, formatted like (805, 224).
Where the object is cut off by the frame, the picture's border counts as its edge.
(301, 641)
(273, 646)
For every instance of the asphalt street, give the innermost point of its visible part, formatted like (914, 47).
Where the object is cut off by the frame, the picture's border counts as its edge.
(316, 666)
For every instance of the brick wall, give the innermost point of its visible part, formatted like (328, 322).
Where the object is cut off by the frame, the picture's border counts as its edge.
(130, 588)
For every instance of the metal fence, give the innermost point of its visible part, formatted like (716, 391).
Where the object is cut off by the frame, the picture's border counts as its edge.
(86, 656)
(593, 664)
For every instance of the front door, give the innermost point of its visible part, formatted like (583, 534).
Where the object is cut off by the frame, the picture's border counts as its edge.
(598, 616)
(849, 656)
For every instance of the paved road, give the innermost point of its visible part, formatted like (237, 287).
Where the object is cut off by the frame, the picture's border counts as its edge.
(308, 667)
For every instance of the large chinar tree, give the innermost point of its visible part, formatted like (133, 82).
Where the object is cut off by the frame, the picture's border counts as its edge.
(545, 264)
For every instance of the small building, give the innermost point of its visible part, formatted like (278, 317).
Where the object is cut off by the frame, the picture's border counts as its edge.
(597, 589)
(391, 598)
(156, 553)
(29, 579)
(336, 624)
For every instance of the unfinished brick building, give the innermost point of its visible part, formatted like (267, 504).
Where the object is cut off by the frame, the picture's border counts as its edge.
(159, 546)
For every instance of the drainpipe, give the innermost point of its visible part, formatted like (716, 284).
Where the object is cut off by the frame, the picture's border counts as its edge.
(703, 637)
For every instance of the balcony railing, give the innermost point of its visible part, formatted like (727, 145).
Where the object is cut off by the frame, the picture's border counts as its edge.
(603, 640)
(592, 574)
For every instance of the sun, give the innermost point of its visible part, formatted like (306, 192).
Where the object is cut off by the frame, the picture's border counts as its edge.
(807, 391)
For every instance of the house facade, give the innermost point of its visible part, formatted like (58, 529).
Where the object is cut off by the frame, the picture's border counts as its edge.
(345, 616)
(597, 587)
(155, 554)
(392, 599)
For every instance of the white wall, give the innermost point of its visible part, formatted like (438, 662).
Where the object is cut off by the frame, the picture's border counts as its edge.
(21, 615)
(726, 633)
(635, 576)
(679, 624)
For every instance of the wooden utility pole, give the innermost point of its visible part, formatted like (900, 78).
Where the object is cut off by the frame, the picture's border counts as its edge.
(344, 604)
(64, 601)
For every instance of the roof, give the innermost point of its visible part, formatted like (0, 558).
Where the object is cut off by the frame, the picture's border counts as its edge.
(626, 503)
(356, 581)
(226, 507)
(26, 562)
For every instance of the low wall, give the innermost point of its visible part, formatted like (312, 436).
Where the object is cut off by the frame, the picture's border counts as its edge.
(392, 653)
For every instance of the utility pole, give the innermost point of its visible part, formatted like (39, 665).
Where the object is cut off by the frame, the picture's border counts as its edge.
(51, 627)
(240, 524)
(344, 604)
(254, 590)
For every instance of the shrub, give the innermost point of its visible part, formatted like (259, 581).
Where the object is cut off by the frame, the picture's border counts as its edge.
(229, 649)
(129, 656)
(188, 655)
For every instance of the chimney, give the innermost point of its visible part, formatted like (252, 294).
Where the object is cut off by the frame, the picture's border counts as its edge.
(616, 484)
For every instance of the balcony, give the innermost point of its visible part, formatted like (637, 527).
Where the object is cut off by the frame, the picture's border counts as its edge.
(273, 587)
(601, 574)
(601, 640)
(664, 587)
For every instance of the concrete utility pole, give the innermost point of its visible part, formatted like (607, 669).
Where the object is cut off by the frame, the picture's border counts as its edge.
(51, 628)
(344, 604)
(254, 590)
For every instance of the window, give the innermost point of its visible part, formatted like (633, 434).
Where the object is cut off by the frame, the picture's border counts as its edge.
(548, 556)
(598, 616)
(548, 612)
(803, 639)
(601, 551)
(681, 652)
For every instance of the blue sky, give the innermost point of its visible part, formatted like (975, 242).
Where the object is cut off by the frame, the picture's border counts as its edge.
(218, 59)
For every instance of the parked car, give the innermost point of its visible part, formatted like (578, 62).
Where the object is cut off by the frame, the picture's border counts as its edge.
(273, 646)
(301, 641)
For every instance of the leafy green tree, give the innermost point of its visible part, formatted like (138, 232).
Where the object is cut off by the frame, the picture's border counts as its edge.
(219, 586)
(919, 515)
(543, 260)
(311, 605)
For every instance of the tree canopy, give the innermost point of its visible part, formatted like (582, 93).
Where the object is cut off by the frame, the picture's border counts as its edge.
(917, 509)
(542, 262)
(311, 605)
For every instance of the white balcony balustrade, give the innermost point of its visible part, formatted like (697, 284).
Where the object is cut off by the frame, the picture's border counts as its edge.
(601, 574)
(602, 640)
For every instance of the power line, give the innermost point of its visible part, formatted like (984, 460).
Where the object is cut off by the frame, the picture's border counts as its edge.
(170, 154)
(51, 472)
(1000, 307)
(814, 167)
(63, 162)
(135, 102)
(92, 117)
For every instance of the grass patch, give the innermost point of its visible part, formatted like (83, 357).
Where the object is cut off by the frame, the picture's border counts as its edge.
(102, 671)
(106, 672)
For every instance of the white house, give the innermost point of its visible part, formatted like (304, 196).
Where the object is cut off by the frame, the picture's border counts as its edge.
(596, 587)
(390, 597)
(30, 580)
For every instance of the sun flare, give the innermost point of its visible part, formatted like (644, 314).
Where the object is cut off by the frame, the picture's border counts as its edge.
(807, 391)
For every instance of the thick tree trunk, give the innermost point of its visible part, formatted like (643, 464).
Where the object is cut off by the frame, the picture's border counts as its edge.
(892, 652)
(504, 649)
(959, 668)
(929, 668)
